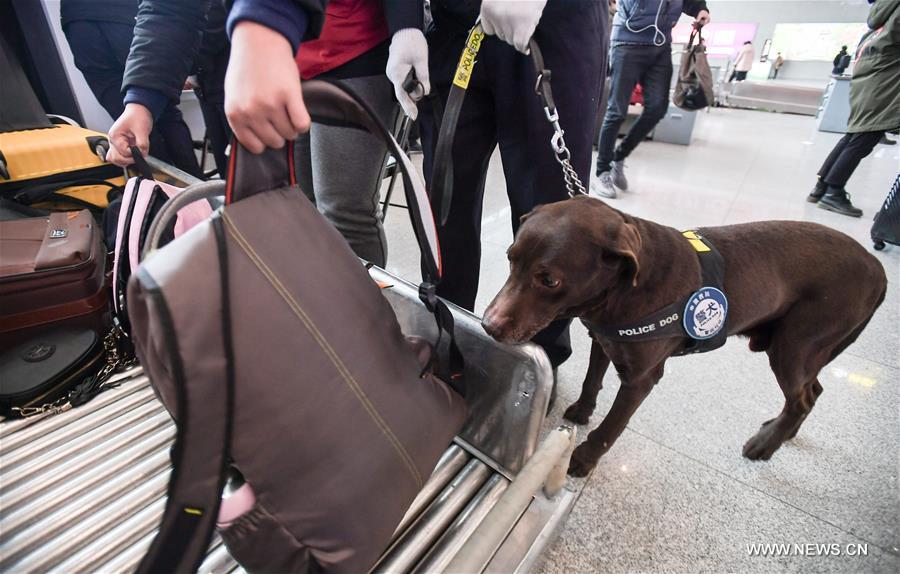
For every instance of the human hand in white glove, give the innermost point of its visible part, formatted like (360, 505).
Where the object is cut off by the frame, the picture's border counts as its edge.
(513, 21)
(409, 51)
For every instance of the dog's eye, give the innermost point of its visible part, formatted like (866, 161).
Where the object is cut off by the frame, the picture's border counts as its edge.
(549, 281)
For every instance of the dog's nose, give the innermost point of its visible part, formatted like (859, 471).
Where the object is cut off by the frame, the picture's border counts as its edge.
(493, 325)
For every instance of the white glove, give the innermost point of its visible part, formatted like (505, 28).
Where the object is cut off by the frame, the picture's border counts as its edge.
(409, 51)
(513, 21)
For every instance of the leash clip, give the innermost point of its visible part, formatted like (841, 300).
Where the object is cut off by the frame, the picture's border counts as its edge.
(557, 142)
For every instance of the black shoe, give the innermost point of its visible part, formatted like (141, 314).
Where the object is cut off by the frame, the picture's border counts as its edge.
(886, 140)
(818, 191)
(838, 201)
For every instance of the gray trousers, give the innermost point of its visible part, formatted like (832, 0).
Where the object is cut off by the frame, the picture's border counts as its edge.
(339, 169)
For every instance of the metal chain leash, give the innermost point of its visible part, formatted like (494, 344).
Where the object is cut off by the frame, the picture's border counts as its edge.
(563, 155)
(557, 140)
(116, 361)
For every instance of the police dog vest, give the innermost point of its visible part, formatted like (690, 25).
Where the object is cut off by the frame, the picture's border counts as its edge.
(702, 316)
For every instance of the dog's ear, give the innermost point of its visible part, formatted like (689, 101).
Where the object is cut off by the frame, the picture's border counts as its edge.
(628, 245)
(525, 217)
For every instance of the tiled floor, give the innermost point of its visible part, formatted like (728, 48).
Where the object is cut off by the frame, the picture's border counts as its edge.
(674, 493)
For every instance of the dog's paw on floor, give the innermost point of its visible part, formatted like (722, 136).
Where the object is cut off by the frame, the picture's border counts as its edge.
(764, 443)
(577, 415)
(581, 463)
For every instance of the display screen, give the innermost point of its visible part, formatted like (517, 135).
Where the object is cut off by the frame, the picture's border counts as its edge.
(815, 41)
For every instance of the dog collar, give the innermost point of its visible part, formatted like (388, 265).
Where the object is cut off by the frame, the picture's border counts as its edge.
(702, 316)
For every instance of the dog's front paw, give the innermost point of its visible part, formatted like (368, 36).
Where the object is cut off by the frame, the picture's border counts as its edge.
(577, 414)
(763, 444)
(582, 462)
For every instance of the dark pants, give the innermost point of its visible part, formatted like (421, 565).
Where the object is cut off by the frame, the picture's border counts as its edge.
(775, 74)
(739, 76)
(100, 50)
(211, 95)
(502, 108)
(846, 155)
(651, 66)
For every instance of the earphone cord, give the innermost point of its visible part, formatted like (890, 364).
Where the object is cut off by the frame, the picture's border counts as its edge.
(655, 25)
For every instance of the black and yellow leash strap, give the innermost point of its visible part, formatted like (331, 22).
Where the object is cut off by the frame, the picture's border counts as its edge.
(442, 176)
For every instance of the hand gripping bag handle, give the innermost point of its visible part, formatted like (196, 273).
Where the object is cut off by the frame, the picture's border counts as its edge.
(331, 104)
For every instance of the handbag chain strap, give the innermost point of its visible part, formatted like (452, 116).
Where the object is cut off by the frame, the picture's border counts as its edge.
(117, 359)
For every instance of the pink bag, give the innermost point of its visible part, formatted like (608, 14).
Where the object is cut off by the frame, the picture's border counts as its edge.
(142, 200)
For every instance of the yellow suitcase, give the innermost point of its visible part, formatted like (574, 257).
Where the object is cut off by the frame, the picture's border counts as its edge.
(58, 167)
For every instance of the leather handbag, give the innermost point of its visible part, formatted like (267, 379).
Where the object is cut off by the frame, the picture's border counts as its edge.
(51, 273)
(278, 356)
(46, 368)
(57, 346)
(694, 88)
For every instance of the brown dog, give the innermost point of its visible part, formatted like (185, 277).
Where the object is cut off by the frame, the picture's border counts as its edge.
(801, 292)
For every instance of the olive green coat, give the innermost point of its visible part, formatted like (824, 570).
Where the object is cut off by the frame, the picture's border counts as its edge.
(875, 87)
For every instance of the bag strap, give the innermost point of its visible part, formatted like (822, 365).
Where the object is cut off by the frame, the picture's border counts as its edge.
(336, 104)
(196, 192)
(190, 515)
(140, 164)
(695, 33)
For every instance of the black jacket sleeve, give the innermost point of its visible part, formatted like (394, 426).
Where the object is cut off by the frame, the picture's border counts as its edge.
(404, 14)
(693, 7)
(167, 36)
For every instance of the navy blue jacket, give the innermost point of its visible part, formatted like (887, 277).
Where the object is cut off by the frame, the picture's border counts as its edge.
(650, 22)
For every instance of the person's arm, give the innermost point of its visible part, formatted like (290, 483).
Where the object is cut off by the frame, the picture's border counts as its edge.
(402, 14)
(167, 35)
(408, 50)
(697, 9)
(263, 99)
(513, 22)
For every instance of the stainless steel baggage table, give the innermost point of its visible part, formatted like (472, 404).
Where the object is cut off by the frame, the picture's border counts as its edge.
(83, 491)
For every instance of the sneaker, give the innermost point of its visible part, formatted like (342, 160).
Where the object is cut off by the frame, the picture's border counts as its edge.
(818, 191)
(618, 175)
(838, 201)
(602, 186)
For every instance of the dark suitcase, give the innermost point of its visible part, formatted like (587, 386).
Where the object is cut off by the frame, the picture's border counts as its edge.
(886, 228)
(52, 272)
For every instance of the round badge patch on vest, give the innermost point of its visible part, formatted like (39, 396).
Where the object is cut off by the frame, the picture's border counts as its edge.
(705, 313)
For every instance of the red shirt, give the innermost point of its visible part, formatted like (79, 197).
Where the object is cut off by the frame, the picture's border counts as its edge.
(352, 28)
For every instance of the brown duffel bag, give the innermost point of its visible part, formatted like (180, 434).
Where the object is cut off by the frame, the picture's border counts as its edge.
(273, 349)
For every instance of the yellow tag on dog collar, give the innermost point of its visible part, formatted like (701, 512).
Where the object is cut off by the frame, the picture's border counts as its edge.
(467, 58)
(695, 242)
